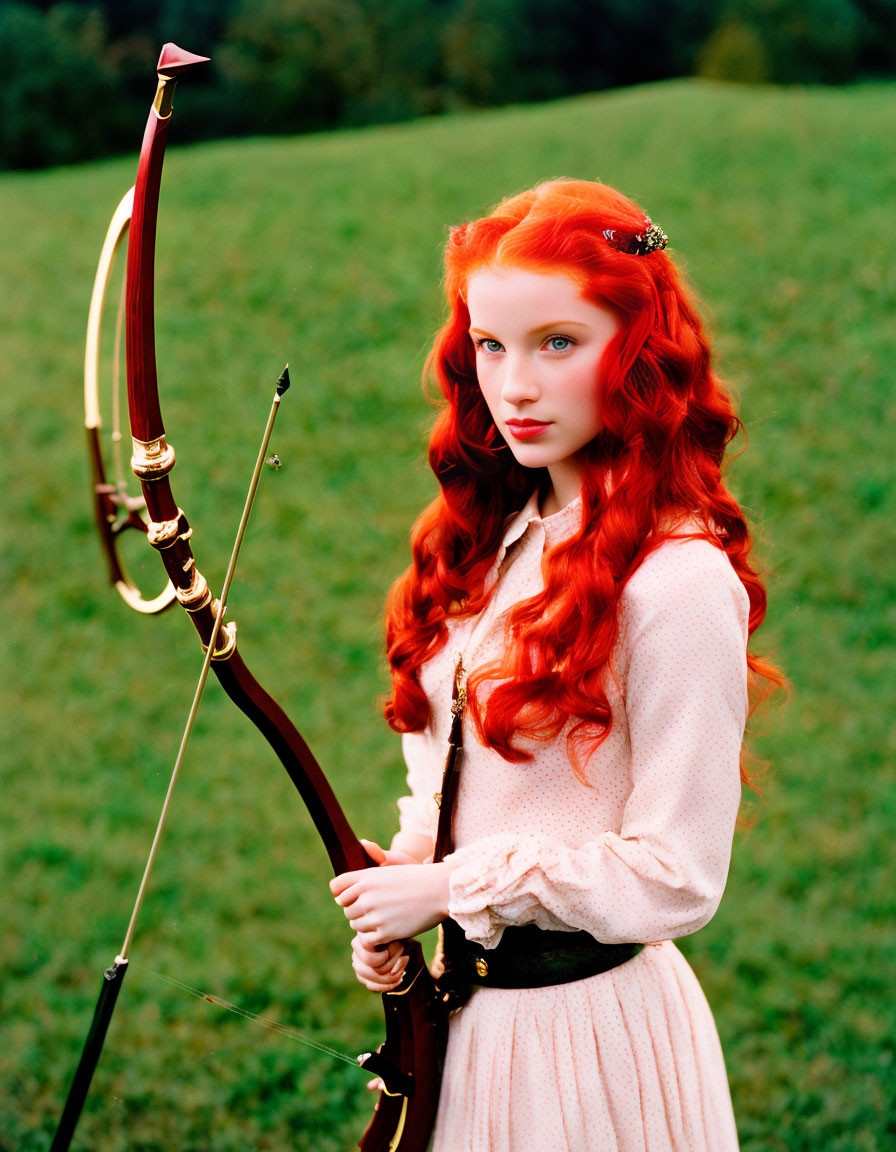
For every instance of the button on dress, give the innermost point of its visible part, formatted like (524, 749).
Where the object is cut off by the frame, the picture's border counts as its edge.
(628, 1060)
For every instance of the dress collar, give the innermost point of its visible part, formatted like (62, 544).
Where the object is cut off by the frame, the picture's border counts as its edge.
(556, 527)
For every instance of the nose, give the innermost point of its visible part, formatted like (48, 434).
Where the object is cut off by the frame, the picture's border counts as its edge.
(520, 383)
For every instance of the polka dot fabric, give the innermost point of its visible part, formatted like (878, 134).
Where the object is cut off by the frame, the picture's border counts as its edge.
(629, 1060)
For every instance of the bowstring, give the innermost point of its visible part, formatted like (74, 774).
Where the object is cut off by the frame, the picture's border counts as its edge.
(118, 462)
(272, 1025)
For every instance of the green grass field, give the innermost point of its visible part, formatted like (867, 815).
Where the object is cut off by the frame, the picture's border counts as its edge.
(325, 251)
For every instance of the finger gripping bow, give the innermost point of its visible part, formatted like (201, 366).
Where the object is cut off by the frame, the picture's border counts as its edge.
(409, 1061)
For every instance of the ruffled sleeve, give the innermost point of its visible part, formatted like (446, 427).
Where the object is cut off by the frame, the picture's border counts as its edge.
(417, 811)
(682, 672)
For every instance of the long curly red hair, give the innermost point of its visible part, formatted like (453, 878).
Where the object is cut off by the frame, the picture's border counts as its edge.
(666, 425)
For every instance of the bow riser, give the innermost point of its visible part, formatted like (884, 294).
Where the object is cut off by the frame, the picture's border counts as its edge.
(416, 1034)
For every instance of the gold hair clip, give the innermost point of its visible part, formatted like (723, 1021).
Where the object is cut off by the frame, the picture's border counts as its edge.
(650, 239)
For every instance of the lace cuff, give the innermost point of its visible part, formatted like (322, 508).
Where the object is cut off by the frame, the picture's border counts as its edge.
(493, 885)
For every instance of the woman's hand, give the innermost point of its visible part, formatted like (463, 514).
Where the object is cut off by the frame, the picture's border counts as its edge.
(391, 903)
(378, 969)
(387, 856)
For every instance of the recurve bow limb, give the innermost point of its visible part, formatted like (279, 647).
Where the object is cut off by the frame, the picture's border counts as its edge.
(409, 1060)
(115, 510)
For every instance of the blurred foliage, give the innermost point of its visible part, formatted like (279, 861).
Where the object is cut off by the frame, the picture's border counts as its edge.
(812, 42)
(54, 62)
(295, 62)
(77, 73)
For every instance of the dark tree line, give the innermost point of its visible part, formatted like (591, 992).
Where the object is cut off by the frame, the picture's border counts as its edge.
(78, 74)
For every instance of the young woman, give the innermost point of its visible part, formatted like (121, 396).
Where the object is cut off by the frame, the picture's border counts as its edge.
(582, 585)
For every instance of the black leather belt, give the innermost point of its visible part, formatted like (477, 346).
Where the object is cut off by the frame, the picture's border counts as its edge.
(529, 957)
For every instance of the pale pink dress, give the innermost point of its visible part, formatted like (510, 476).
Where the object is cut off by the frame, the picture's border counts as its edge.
(629, 1060)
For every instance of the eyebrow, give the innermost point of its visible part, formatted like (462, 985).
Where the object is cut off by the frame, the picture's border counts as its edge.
(554, 324)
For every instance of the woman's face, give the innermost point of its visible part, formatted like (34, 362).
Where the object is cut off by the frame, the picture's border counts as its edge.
(539, 346)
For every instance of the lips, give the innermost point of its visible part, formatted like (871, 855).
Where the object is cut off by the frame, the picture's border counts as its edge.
(526, 429)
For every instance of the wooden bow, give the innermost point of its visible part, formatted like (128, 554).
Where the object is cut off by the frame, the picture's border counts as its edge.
(115, 509)
(409, 1061)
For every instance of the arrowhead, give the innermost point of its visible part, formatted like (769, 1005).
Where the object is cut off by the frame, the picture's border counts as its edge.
(174, 60)
(283, 382)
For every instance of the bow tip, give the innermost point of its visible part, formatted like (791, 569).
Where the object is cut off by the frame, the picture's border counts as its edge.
(174, 60)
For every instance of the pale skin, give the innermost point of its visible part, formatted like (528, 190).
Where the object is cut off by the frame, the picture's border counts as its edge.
(539, 349)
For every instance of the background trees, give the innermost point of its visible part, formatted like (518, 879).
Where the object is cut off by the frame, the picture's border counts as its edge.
(77, 73)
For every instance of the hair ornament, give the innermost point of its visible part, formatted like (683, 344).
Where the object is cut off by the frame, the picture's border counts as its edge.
(650, 239)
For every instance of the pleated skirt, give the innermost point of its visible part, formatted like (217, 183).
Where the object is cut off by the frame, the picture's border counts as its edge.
(627, 1061)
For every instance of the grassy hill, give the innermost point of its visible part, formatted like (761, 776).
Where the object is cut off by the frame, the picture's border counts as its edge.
(325, 251)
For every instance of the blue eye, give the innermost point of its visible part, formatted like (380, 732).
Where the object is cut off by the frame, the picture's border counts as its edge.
(490, 345)
(559, 343)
